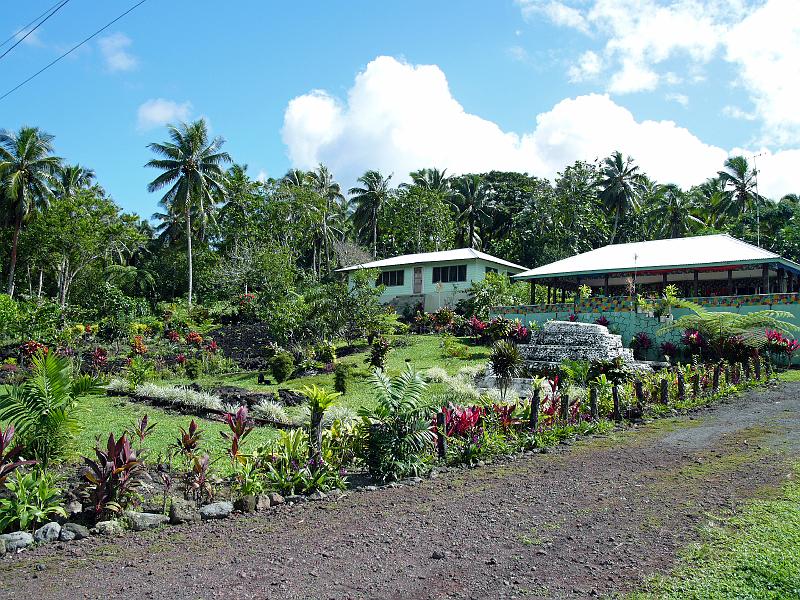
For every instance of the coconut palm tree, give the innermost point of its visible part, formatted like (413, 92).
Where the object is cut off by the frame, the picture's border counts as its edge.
(670, 213)
(471, 198)
(431, 179)
(71, 178)
(369, 200)
(191, 165)
(27, 167)
(620, 186)
(739, 183)
(322, 183)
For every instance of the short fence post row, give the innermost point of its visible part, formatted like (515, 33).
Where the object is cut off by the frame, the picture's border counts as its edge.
(696, 385)
(564, 407)
(664, 391)
(441, 439)
(681, 387)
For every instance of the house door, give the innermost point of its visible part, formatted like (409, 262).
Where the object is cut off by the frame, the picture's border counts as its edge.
(417, 280)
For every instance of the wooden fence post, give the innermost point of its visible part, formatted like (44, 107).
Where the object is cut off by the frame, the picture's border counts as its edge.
(664, 391)
(715, 379)
(593, 403)
(637, 387)
(757, 366)
(746, 368)
(696, 385)
(534, 418)
(441, 437)
(681, 387)
(564, 407)
(615, 396)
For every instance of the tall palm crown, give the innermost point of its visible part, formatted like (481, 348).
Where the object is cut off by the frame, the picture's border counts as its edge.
(670, 212)
(620, 186)
(739, 182)
(328, 221)
(192, 172)
(471, 199)
(71, 178)
(431, 179)
(27, 166)
(369, 200)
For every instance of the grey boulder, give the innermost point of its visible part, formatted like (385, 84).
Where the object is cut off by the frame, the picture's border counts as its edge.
(109, 528)
(140, 521)
(73, 531)
(183, 511)
(17, 540)
(48, 532)
(216, 510)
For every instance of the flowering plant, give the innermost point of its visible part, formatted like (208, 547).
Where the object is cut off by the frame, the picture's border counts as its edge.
(477, 326)
(693, 340)
(138, 346)
(31, 347)
(194, 338)
(602, 320)
(212, 347)
(573, 317)
(520, 333)
(173, 336)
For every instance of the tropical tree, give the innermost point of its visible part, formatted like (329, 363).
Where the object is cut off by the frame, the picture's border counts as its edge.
(432, 180)
(27, 166)
(739, 183)
(328, 221)
(620, 185)
(191, 165)
(471, 198)
(670, 212)
(72, 178)
(369, 200)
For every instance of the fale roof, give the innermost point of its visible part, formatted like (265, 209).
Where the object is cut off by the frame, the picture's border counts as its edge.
(675, 253)
(434, 257)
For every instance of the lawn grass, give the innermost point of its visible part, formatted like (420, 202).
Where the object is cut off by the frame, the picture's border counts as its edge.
(101, 415)
(755, 554)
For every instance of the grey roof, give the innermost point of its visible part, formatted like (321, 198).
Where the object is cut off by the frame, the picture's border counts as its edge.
(675, 253)
(434, 257)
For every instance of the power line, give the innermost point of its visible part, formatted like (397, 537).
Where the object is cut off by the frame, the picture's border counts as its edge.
(39, 24)
(21, 29)
(71, 50)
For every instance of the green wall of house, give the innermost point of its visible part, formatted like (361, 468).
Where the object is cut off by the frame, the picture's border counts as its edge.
(450, 292)
(625, 321)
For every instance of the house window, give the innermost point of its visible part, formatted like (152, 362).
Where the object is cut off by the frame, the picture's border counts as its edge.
(449, 274)
(391, 278)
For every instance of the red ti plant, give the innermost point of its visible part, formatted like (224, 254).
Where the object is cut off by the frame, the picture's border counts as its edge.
(188, 441)
(240, 426)
(194, 338)
(198, 482)
(9, 455)
(462, 420)
(504, 413)
(141, 429)
(113, 476)
(173, 336)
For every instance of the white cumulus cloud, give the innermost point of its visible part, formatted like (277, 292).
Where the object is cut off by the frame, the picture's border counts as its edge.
(588, 66)
(399, 117)
(115, 51)
(158, 111)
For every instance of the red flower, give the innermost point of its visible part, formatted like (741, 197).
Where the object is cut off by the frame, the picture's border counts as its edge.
(194, 338)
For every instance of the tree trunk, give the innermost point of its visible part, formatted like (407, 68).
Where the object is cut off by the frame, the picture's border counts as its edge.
(616, 224)
(374, 232)
(189, 252)
(13, 263)
(41, 278)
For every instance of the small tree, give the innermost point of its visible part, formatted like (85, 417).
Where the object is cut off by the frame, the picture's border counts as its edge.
(319, 400)
(505, 361)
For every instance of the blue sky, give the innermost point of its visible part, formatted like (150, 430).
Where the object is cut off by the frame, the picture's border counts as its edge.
(530, 85)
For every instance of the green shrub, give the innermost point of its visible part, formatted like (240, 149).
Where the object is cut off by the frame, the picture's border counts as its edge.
(325, 352)
(399, 438)
(378, 352)
(31, 499)
(341, 374)
(194, 368)
(282, 366)
(43, 408)
(139, 371)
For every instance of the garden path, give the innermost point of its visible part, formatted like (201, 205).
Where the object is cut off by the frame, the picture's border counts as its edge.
(589, 519)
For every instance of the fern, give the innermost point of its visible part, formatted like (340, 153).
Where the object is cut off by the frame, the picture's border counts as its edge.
(718, 327)
(43, 409)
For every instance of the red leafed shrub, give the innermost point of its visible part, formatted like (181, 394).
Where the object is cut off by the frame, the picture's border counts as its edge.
(31, 347)
(138, 346)
(99, 357)
(194, 338)
(504, 413)
(173, 336)
(212, 347)
(461, 420)
(180, 358)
